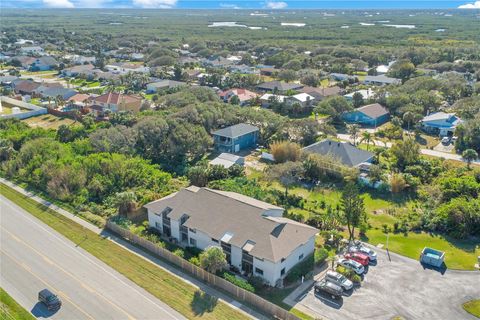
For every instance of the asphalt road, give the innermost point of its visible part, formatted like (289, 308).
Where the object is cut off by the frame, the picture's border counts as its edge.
(34, 256)
(399, 286)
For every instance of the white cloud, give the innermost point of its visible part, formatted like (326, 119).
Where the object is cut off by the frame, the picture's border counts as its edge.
(58, 3)
(229, 6)
(475, 5)
(162, 4)
(276, 5)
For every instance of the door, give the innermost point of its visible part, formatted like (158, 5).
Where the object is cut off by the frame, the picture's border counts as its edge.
(237, 147)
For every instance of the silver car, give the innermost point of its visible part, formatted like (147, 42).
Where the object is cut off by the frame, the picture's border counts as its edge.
(372, 255)
(338, 279)
(352, 265)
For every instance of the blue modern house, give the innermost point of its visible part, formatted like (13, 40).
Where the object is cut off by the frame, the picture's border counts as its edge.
(441, 123)
(235, 138)
(369, 115)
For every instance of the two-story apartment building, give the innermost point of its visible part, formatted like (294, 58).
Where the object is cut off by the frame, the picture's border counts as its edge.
(235, 138)
(254, 236)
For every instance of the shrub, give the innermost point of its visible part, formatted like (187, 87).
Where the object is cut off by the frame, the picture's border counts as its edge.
(395, 226)
(179, 252)
(349, 274)
(284, 151)
(237, 281)
(385, 228)
(195, 261)
(320, 256)
(193, 251)
(257, 282)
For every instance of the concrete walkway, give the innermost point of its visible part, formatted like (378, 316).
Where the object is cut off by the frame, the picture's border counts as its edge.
(302, 289)
(144, 255)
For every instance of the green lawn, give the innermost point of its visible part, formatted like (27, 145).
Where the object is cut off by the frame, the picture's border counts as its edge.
(92, 84)
(10, 309)
(35, 101)
(473, 307)
(460, 254)
(186, 299)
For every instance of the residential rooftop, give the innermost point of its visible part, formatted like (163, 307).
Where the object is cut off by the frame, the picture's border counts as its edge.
(235, 130)
(345, 152)
(236, 219)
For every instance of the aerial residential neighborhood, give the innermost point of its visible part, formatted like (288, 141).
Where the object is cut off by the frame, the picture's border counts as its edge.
(239, 160)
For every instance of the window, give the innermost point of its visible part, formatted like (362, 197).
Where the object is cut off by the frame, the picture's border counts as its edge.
(193, 242)
(184, 218)
(259, 271)
(214, 240)
(282, 272)
(158, 225)
(300, 257)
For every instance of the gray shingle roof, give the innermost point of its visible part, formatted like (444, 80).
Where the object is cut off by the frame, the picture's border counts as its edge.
(235, 130)
(281, 86)
(59, 91)
(217, 213)
(344, 151)
(374, 110)
(382, 78)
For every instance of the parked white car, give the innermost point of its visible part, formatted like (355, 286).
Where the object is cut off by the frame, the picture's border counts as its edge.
(352, 265)
(338, 279)
(372, 255)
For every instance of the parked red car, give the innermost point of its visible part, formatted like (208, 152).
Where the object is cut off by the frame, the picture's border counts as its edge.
(361, 258)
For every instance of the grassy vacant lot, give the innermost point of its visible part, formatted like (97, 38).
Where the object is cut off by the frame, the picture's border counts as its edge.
(48, 121)
(472, 307)
(460, 254)
(10, 309)
(186, 299)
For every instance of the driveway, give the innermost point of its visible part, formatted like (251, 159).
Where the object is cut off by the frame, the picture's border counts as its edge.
(399, 286)
(444, 148)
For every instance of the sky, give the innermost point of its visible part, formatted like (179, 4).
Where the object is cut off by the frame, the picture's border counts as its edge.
(248, 4)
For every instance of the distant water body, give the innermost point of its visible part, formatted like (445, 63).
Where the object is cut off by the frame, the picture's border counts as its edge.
(249, 4)
(316, 4)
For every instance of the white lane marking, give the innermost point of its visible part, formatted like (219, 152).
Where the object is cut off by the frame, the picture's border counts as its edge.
(69, 245)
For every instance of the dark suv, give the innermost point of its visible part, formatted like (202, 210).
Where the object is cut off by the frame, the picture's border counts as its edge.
(50, 300)
(328, 287)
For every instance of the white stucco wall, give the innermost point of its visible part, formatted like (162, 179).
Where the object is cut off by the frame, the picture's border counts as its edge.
(271, 270)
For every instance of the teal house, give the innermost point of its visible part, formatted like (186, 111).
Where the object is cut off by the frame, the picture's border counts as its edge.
(371, 115)
(235, 138)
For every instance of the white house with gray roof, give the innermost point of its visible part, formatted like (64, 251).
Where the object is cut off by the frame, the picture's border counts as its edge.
(253, 234)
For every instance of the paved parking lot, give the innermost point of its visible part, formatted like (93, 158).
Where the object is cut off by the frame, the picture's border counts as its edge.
(399, 286)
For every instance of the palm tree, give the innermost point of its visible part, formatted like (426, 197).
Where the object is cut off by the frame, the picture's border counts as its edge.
(125, 202)
(469, 155)
(353, 129)
(408, 117)
(367, 136)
